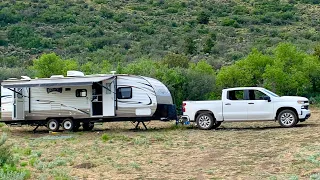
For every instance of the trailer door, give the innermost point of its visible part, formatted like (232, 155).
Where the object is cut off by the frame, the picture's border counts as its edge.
(18, 104)
(109, 98)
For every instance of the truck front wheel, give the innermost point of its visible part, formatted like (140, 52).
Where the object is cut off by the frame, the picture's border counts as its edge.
(287, 118)
(205, 121)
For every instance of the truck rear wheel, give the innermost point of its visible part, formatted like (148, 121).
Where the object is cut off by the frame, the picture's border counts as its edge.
(68, 124)
(53, 125)
(205, 121)
(87, 126)
(287, 118)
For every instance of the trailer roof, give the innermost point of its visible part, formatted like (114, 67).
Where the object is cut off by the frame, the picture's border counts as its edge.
(55, 82)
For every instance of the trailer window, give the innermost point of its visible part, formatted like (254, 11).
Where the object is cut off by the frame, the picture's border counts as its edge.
(124, 93)
(81, 93)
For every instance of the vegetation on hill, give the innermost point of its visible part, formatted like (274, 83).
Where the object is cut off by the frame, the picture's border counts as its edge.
(182, 43)
(91, 31)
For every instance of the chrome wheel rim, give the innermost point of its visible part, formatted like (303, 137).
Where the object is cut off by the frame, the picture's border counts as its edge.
(204, 121)
(67, 125)
(287, 119)
(52, 125)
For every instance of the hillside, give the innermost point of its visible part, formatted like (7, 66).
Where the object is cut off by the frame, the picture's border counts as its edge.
(219, 31)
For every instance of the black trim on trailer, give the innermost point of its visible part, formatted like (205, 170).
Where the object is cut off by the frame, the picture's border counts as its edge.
(116, 98)
(29, 100)
(17, 92)
(105, 87)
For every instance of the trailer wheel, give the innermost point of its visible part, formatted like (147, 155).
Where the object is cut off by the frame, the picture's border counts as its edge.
(68, 124)
(53, 125)
(87, 126)
(205, 121)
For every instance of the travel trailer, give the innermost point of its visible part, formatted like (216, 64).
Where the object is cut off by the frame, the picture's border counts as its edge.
(78, 100)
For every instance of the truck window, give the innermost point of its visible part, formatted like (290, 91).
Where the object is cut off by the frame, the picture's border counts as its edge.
(236, 95)
(256, 95)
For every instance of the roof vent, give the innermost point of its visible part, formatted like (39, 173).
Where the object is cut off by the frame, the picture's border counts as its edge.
(75, 74)
(56, 76)
(25, 78)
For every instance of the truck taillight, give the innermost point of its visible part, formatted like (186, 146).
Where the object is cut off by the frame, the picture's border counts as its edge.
(184, 107)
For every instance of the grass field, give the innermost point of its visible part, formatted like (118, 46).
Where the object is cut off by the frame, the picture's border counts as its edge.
(114, 151)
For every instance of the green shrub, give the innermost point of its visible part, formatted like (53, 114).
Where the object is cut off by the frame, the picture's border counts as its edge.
(2, 124)
(105, 137)
(5, 152)
(230, 22)
(8, 169)
(10, 175)
(203, 17)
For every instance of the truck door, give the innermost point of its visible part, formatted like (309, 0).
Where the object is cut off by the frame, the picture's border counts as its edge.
(18, 104)
(235, 106)
(258, 108)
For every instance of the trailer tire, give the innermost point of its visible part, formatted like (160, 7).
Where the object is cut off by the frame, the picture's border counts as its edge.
(205, 121)
(68, 124)
(87, 126)
(53, 125)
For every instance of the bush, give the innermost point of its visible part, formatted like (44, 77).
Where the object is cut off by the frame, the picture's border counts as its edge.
(203, 17)
(5, 152)
(10, 175)
(105, 137)
(8, 169)
(230, 22)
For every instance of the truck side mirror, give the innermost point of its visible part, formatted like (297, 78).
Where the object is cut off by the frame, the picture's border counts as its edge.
(267, 98)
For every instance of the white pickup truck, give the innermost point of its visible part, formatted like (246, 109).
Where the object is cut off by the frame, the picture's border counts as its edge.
(247, 104)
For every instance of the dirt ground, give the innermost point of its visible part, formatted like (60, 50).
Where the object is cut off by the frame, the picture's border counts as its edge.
(250, 150)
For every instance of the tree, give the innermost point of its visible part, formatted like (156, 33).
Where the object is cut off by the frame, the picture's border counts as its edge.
(51, 64)
(176, 60)
(245, 72)
(286, 71)
(144, 67)
(90, 68)
(190, 45)
(199, 81)
(203, 17)
(208, 45)
(69, 64)
(202, 67)
(317, 51)
(47, 65)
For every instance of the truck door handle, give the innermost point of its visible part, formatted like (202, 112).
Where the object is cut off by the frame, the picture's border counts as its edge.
(250, 103)
(228, 104)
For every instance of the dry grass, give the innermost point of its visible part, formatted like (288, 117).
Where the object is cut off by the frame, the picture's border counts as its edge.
(113, 151)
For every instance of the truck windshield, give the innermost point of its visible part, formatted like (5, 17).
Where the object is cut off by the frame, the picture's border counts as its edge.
(270, 93)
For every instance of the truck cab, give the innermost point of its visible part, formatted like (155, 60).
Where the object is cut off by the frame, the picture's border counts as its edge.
(248, 104)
